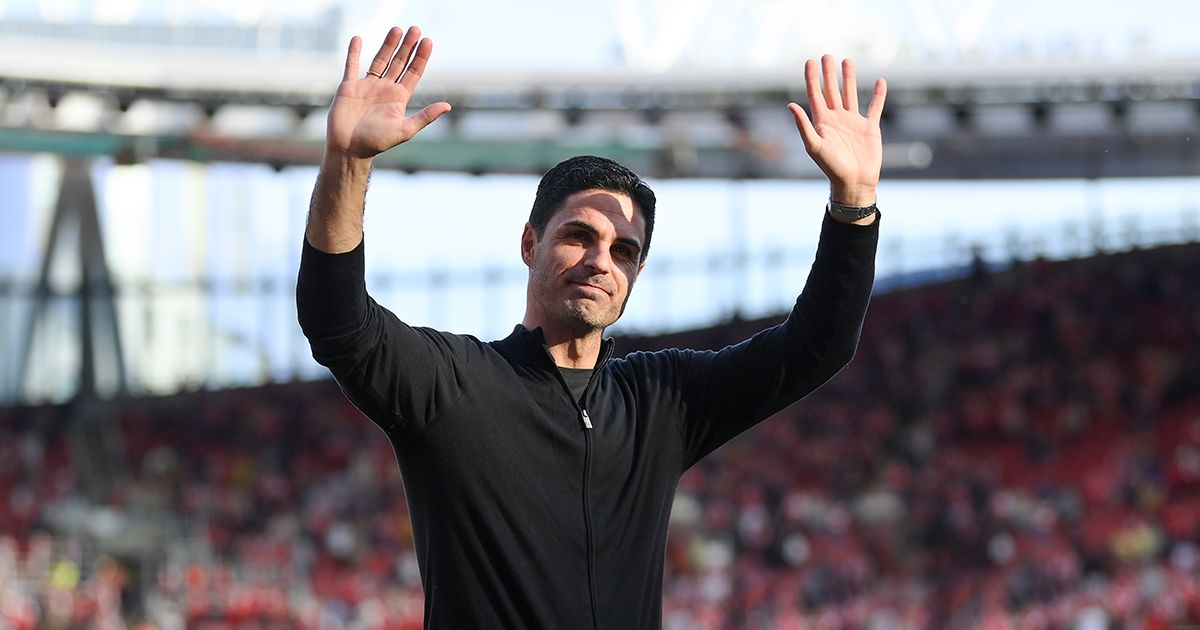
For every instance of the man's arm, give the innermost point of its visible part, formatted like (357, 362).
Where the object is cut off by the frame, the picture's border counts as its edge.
(365, 346)
(726, 392)
(367, 117)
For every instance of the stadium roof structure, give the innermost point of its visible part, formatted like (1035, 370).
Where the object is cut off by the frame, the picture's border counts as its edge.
(961, 120)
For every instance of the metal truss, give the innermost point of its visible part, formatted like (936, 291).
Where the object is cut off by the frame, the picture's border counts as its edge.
(684, 107)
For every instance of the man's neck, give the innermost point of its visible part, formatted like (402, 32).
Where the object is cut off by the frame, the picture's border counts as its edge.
(569, 349)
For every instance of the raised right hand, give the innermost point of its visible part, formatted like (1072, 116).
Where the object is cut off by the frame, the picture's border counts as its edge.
(368, 114)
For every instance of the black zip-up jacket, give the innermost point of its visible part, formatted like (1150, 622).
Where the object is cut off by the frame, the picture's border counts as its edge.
(530, 510)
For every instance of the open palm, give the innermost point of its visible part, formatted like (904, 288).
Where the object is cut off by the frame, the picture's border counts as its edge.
(369, 115)
(846, 145)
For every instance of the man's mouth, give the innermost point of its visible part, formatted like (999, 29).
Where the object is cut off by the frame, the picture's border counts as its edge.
(595, 287)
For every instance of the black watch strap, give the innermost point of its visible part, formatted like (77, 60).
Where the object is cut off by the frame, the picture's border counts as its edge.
(851, 213)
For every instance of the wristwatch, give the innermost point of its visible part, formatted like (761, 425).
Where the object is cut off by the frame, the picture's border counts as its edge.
(850, 213)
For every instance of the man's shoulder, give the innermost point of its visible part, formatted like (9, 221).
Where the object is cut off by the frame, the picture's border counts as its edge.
(449, 337)
(655, 361)
(451, 343)
(665, 354)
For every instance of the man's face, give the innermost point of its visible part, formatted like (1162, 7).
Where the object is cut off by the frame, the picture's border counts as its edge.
(582, 268)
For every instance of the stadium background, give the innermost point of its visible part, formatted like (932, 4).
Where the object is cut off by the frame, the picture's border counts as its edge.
(1016, 445)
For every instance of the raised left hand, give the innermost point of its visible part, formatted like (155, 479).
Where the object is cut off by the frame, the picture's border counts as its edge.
(846, 145)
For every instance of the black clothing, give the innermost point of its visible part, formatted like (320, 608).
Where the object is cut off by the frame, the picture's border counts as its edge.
(530, 510)
(577, 381)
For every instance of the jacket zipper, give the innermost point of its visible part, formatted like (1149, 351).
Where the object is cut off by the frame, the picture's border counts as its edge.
(587, 473)
(587, 513)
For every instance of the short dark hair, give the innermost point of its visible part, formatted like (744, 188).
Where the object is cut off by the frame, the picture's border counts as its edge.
(585, 172)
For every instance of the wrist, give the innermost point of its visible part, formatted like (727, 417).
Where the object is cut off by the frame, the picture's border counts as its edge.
(338, 162)
(857, 195)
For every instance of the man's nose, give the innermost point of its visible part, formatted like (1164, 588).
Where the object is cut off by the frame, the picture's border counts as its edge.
(598, 259)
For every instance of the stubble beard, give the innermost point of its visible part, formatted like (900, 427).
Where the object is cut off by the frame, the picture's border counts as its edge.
(586, 320)
(581, 315)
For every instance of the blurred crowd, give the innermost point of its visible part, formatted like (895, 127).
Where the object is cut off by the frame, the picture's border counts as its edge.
(1013, 449)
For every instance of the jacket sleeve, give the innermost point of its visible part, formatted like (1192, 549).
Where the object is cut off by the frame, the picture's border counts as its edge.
(394, 373)
(728, 391)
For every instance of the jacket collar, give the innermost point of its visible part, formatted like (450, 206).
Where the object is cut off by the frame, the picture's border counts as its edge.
(529, 347)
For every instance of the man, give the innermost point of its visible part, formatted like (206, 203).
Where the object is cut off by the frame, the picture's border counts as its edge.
(540, 470)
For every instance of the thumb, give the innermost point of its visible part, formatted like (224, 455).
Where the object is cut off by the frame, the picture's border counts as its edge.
(812, 140)
(428, 114)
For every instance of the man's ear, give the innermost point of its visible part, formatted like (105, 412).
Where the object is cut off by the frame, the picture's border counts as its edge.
(528, 243)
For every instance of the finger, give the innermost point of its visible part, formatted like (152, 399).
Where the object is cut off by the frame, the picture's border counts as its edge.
(416, 69)
(812, 141)
(428, 114)
(849, 86)
(351, 70)
(832, 98)
(400, 60)
(812, 82)
(379, 64)
(875, 108)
